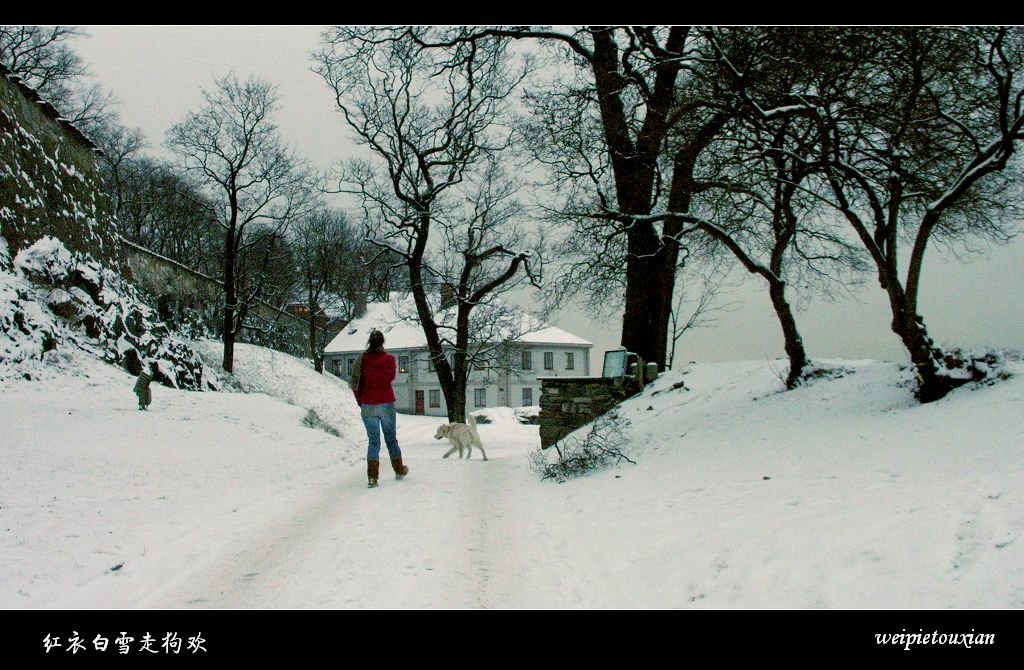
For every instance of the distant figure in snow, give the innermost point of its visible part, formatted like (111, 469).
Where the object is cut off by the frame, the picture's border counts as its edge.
(372, 375)
(142, 386)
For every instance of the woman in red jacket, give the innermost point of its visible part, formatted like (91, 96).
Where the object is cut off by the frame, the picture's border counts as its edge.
(372, 375)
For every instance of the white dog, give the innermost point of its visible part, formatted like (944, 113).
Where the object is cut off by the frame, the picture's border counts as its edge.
(462, 437)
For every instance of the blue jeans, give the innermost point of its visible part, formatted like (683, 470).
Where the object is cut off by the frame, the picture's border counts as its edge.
(377, 418)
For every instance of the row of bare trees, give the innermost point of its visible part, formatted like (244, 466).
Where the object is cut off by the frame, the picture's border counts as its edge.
(808, 157)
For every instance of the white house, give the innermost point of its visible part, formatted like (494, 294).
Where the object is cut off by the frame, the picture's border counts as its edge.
(517, 350)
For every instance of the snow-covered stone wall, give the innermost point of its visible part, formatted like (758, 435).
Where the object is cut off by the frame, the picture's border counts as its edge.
(49, 182)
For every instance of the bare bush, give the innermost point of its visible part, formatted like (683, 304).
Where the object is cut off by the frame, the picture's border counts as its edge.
(602, 447)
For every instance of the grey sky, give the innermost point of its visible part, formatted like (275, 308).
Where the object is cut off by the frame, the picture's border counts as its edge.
(158, 74)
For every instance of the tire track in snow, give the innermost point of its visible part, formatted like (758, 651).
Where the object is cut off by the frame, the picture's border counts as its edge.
(428, 541)
(258, 570)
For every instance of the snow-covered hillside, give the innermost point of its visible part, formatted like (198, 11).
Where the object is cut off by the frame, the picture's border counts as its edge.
(843, 494)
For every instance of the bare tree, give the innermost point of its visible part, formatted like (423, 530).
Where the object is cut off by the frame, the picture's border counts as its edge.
(329, 262)
(689, 313)
(605, 136)
(740, 174)
(266, 275)
(919, 134)
(164, 209)
(434, 121)
(760, 203)
(258, 184)
(121, 147)
(43, 58)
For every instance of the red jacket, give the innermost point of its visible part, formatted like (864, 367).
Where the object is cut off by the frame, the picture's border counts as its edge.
(372, 375)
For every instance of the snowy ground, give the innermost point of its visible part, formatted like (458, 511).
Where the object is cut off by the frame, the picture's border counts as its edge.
(842, 494)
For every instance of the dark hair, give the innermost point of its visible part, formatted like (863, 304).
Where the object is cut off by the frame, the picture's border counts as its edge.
(376, 341)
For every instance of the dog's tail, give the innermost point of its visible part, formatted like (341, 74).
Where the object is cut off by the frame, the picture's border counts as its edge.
(471, 420)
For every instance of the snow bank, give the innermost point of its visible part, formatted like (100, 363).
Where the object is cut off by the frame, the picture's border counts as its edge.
(844, 493)
(293, 380)
(5, 254)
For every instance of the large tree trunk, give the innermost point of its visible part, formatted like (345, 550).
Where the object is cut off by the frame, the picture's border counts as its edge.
(784, 226)
(666, 258)
(442, 368)
(794, 344)
(648, 298)
(650, 262)
(933, 383)
(457, 404)
(230, 301)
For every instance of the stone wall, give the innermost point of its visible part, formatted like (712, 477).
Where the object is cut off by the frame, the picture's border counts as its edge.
(570, 403)
(174, 288)
(49, 181)
(186, 298)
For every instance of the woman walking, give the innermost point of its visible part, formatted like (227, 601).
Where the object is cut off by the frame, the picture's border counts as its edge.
(372, 375)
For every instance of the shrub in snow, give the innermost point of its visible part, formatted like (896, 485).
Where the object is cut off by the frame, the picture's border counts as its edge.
(47, 261)
(602, 447)
(313, 420)
(528, 415)
(982, 367)
(815, 372)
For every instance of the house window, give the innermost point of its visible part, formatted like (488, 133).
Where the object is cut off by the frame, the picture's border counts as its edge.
(549, 360)
(337, 366)
(527, 397)
(527, 360)
(570, 360)
(351, 364)
(403, 363)
(430, 362)
(435, 398)
(480, 397)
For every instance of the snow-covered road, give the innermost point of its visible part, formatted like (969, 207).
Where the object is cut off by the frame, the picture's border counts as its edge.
(439, 538)
(228, 501)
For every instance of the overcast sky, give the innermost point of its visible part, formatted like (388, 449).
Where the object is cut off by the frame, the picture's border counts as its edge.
(158, 72)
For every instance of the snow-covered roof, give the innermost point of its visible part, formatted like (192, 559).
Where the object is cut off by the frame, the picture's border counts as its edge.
(505, 322)
(398, 333)
(552, 335)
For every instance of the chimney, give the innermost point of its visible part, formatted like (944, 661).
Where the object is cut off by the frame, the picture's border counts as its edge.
(359, 299)
(448, 296)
